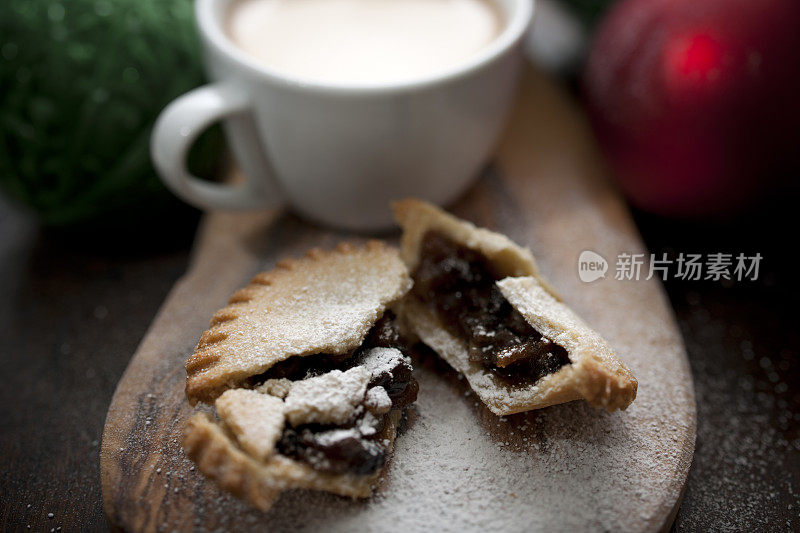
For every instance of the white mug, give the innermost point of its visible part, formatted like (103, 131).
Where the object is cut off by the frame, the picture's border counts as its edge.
(339, 153)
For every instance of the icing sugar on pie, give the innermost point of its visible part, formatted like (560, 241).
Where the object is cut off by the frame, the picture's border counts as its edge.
(479, 301)
(307, 366)
(308, 377)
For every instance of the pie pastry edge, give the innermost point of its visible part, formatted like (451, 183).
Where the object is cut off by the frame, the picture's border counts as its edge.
(417, 217)
(216, 364)
(217, 454)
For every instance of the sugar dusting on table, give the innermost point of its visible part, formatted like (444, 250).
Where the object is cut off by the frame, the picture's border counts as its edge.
(566, 467)
(458, 467)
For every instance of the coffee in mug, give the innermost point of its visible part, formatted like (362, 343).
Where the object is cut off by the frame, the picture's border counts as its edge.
(334, 108)
(362, 41)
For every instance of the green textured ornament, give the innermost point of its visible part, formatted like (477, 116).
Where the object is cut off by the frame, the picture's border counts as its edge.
(81, 82)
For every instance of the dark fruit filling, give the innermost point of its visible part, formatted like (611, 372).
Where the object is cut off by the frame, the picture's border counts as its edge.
(356, 447)
(334, 450)
(459, 285)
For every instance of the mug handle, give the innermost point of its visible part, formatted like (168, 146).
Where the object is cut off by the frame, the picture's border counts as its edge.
(178, 127)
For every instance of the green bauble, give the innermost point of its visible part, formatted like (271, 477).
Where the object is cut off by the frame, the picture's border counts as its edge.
(81, 83)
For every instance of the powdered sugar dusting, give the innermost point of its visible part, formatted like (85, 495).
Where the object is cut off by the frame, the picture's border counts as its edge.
(458, 467)
(568, 467)
(256, 419)
(378, 401)
(381, 361)
(564, 468)
(331, 398)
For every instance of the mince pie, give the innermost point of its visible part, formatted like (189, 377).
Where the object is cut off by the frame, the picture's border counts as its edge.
(480, 303)
(308, 375)
(307, 370)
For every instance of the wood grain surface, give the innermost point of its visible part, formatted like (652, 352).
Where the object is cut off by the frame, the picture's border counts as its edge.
(546, 189)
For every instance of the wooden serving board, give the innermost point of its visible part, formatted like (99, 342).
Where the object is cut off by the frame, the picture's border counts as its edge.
(457, 467)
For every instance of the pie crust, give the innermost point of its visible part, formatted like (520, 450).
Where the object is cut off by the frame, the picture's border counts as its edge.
(215, 451)
(324, 303)
(417, 218)
(594, 373)
(331, 304)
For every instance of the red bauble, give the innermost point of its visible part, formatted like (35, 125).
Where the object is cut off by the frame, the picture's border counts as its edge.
(696, 102)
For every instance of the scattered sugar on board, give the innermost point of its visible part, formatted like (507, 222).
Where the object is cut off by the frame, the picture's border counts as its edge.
(567, 467)
(580, 467)
(739, 451)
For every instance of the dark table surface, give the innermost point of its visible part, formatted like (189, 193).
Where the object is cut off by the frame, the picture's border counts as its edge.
(74, 307)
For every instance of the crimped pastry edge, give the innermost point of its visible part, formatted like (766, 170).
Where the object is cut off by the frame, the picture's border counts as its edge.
(208, 371)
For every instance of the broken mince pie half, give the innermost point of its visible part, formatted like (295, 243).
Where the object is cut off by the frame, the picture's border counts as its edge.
(308, 376)
(480, 303)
